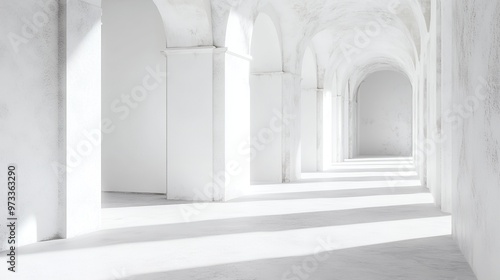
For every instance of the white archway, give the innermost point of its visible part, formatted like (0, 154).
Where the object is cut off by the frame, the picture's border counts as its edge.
(384, 115)
(266, 83)
(133, 100)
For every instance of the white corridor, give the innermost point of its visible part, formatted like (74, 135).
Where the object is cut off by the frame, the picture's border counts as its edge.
(365, 219)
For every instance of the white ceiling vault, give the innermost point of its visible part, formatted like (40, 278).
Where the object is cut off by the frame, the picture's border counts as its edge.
(350, 38)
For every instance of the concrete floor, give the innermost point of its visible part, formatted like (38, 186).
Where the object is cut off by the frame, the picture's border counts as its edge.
(359, 221)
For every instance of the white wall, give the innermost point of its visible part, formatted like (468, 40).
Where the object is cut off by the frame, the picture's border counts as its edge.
(265, 145)
(134, 152)
(384, 110)
(49, 106)
(476, 133)
(29, 120)
(266, 84)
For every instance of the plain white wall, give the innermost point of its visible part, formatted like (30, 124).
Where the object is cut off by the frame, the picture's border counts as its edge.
(309, 113)
(190, 125)
(134, 153)
(266, 83)
(384, 110)
(29, 122)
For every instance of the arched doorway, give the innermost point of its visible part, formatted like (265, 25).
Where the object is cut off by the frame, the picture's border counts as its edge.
(133, 97)
(266, 83)
(384, 116)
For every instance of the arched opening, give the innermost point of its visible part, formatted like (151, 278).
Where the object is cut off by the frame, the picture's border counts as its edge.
(384, 115)
(309, 113)
(266, 84)
(133, 98)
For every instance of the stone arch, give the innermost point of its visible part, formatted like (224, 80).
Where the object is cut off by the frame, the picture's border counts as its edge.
(265, 46)
(383, 114)
(182, 33)
(128, 101)
(266, 85)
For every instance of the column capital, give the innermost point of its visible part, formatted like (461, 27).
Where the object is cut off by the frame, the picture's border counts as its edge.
(188, 50)
(275, 73)
(294, 75)
(204, 50)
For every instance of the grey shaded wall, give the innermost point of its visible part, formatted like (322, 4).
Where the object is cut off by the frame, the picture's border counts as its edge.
(476, 151)
(384, 110)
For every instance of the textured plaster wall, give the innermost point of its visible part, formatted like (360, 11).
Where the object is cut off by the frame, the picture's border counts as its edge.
(384, 108)
(134, 97)
(476, 85)
(50, 115)
(447, 178)
(29, 118)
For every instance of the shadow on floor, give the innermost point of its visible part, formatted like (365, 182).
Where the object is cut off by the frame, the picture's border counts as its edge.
(271, 223)
(332, 194)
(381, 177)
(435, 258)
(120, 200)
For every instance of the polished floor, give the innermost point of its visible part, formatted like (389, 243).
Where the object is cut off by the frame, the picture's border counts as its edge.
(366, 219)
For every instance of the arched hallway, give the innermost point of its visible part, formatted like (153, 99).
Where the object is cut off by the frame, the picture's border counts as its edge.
(250, 139)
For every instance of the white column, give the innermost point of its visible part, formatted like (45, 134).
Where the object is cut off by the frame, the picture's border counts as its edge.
(190, 116)
(208, 124)
(351, 118)
(291, 154)
(420, 154)
(323, 130)
(344, 122)
(334, 106)
(309, 129)
(79, 117)
(266, 127)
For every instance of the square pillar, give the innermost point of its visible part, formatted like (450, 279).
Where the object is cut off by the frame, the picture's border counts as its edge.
(208, 124)
(79, 164)
(291, 154)
(190, 116)
(447, 131)
(310, 116)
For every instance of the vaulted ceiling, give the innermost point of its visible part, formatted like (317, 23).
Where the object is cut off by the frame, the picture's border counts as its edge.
(350, 38)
